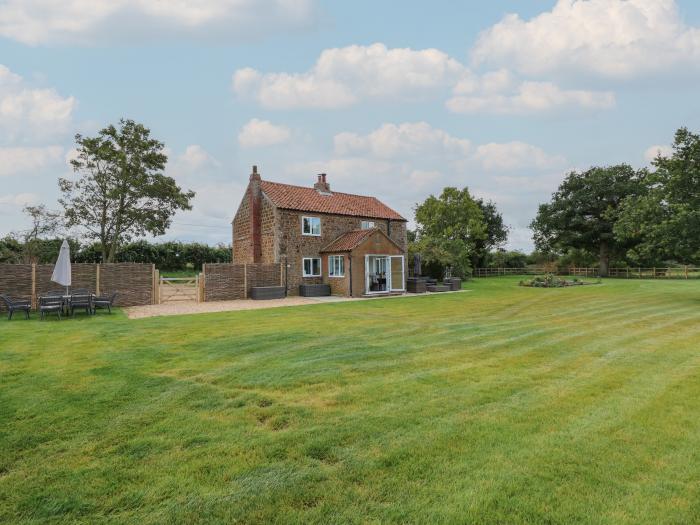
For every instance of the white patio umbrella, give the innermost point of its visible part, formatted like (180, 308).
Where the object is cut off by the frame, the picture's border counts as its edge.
(61, 272)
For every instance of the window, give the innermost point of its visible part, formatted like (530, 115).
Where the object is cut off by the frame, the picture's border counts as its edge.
(336, 266)
(366, 225)
(311, 226)
(312, 267)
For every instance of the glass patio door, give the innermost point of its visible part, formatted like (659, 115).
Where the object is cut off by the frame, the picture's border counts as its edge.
(377, 276)
(384, 273)
(396, 280)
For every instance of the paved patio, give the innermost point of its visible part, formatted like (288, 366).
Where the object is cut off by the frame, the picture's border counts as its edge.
(190, 307)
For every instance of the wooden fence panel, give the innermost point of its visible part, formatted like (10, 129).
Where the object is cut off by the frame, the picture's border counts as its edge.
(16, 281)
(133, 282)
(225, 282)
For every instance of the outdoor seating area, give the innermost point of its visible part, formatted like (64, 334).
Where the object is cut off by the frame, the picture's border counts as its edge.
(429, 284)
(61, 304)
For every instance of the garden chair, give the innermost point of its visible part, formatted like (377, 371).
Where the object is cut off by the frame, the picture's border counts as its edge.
(104, 301)
(50, 303)
(80, 301)
(16, 304)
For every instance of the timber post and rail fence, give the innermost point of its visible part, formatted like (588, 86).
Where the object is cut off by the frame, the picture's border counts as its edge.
(678, 272)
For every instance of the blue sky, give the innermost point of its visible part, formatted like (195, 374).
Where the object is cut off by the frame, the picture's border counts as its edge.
(504, 97)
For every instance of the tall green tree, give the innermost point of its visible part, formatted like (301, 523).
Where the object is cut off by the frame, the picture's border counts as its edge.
(121, 191)
(584, 210)
(496, 232)
(664, 222)
(44, 224)
(448, 228)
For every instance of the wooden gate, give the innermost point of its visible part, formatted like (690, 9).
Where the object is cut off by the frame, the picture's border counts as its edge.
(179, 289)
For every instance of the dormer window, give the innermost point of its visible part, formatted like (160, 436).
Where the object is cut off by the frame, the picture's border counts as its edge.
(366, 225)
(311, 226)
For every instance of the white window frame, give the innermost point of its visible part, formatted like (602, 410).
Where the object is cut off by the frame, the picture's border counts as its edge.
(303, 266)
(366, 225)
(332, 259)
(311, 225)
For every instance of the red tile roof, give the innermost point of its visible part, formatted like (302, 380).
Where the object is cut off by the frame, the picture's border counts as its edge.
(308, 199)
(349, 240)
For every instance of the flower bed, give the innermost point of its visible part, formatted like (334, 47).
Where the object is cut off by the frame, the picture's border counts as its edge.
(552, 281)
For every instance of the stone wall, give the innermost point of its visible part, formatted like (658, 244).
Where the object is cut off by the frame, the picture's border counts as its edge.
(225, 282)
(242, 240)
(133, 282)
(397, 234)
(297, 246)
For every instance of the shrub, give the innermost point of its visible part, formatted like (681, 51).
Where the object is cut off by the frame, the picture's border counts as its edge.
(551, 281)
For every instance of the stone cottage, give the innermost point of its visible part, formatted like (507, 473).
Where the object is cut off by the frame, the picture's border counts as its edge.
(354, 243)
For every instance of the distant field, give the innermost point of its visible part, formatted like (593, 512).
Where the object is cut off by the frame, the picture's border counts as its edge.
(179, 273)
(500, 405)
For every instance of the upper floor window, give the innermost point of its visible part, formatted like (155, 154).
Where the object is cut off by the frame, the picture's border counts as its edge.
(366, 225)
(311, 226)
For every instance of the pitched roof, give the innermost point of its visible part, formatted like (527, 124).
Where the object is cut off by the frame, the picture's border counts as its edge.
(349, 240)
(308, 199)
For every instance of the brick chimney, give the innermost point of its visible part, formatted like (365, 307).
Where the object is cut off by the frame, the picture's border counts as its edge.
(255, 197)
(322, 185)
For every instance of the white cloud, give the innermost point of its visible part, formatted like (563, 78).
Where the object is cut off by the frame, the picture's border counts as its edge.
(257, 133)
(21, 160)
(410, 138)
(346, 76)
(412, 142)
(654, 151)
(18, 201)
(37, 22)
(527, 98)
(343, 76)
(515, 156)
(612, 38)
(192, 166)
(27, 111)
(499, 92)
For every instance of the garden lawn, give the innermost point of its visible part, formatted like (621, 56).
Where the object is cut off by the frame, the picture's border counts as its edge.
(500, 405)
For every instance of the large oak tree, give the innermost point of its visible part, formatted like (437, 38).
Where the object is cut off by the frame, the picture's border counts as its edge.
(664, 222)
(584, 210)
(121, 191)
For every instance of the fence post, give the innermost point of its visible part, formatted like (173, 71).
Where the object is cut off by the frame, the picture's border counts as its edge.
(156, 286)
(204, 283)
(653, 272)
(196, 286)
(97, 279)
(245, 280)
(34, 285)
(686, 271)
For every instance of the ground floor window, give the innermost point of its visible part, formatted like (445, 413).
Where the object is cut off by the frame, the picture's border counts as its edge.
(336, 266)
(312, 267)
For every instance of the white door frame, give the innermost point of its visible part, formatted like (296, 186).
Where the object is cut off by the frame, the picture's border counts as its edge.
(403, 274)
(389, 284)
